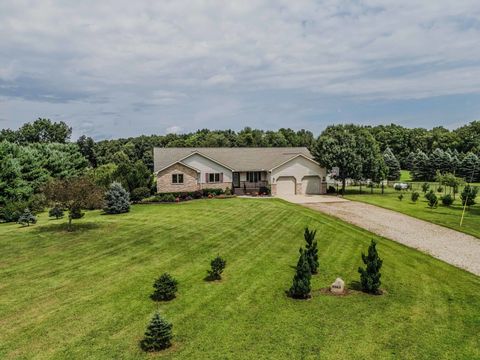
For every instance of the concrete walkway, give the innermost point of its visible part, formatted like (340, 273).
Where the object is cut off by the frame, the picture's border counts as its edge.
(451, 246)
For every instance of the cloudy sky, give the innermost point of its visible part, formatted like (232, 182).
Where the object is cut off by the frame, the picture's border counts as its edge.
(120, 68)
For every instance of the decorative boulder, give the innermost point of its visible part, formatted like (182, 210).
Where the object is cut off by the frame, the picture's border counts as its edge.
(338, 287)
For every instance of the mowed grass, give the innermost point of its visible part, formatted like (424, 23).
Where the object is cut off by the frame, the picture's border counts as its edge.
(441, 215)
(85, 295)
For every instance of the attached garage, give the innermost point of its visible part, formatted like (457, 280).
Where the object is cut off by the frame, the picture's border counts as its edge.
(311, 185)
(286, 185)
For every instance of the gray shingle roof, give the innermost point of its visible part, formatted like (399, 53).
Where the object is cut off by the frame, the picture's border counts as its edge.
(239, 159)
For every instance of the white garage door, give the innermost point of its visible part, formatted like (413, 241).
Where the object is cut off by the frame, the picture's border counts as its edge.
(286, 185)
(311, 185)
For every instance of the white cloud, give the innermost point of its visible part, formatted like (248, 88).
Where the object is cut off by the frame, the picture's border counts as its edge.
(203, 60)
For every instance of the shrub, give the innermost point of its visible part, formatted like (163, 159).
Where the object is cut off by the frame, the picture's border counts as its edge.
(11, 211)
(370, 276)
(139, 194)
(75, 213)
(212, 192)
(432, 199)
(300, 288)
(440, 189)
(27, 218)
(217, 266)
(331, 189)
(37, 203)
(158, 335)
(447, 200)
(415, 195)
(166, 198)
(228, 191)
(311, 250)
(56, 212)
(425, 187)
(468, 195)
(117, 200)
(400, 197)
(264, 190)
(165, 288)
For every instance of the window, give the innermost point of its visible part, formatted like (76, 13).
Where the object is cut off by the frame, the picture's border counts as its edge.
(254, 176)
(213, 177)
(177, 178)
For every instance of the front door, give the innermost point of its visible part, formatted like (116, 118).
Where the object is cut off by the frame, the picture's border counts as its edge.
(236, 179)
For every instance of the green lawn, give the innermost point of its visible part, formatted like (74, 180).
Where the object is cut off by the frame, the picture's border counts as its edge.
(442, 215)
(85, 295)
(405, 176)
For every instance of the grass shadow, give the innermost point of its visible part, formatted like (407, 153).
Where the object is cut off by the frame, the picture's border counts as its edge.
(63, 227)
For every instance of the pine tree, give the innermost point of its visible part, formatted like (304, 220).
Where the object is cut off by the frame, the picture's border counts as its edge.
(27, 218)
(117, 199)
(158, 335)
(301, 281)
(470, 167)
(165, 288)
(56, 212)
(311, 249)
(217, 266)
(370, 276)
(392, 164)
(409, 161)
(420, 169)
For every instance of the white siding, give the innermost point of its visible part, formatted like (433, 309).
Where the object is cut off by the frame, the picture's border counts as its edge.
(298, 168)
(207, 166)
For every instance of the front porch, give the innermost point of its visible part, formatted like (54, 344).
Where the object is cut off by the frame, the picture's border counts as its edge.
(249, 182)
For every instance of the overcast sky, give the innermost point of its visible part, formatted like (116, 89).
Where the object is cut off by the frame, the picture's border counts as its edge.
(120, 68)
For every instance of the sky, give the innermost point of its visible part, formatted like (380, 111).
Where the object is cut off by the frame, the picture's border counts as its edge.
(123, 68)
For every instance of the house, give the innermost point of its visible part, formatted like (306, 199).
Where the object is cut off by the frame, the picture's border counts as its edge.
(286, 171)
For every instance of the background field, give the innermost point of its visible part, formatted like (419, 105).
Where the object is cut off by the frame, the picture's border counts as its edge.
(85, 295)
(441, 215)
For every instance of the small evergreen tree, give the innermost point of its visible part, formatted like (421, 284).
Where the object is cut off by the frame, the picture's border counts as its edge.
(158, 335)
(432, 199)
(425, 187)
(447, 200)
(300, 288)
(117, 199)
(165, 288)
(311, 249)
(392, 164)
(56, 212)
(370, 276)
(27, 218)
(400, 197)
(217, 266)
(468, 195)
(415, 195)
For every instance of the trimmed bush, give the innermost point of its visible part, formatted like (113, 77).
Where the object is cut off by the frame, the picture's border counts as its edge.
(440, 189)
(447, 200)
(75, 213)
(311, 250)
(300, 288)
(165, 288)
(56, 212)
(414, 197)
(468, 195)
(432, 199)
(117, 199)
(425, 187)
(158, 335)
(139, 194)
(370, 276)
(400, 197)
(217, 266)
(27, 218)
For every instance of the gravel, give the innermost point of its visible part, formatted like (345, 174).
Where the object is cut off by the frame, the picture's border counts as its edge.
(451, 246)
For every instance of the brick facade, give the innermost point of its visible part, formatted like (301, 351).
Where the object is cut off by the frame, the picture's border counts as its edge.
(164, 179)
(190, 180)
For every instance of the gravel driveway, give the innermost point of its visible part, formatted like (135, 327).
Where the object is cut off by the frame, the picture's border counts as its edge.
(451, 246)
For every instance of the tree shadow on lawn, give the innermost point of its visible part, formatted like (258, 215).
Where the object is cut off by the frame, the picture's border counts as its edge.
(63, 227)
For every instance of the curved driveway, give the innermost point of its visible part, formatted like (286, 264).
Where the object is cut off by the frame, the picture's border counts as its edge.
(451, 246)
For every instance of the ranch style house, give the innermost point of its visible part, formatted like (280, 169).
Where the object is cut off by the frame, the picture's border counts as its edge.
(286, 171)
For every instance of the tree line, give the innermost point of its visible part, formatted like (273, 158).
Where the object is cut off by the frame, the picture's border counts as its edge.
(43, 150)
